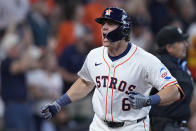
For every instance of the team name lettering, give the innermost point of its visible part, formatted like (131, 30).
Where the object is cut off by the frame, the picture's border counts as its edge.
(122, 86)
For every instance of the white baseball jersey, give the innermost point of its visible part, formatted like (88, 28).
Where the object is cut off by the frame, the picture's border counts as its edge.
(137, 71)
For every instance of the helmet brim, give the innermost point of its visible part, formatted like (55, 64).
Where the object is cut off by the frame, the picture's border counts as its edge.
(100, 20)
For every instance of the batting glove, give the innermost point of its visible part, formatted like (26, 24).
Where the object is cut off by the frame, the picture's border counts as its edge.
(50, 110)
(138, 100)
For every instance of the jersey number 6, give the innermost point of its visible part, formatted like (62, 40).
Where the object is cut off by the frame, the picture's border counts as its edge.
(126, 104)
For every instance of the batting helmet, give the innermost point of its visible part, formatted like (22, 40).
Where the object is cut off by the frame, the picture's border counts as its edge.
(119, 16)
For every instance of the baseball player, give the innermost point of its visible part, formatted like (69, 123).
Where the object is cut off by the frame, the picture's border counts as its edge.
(122, 75)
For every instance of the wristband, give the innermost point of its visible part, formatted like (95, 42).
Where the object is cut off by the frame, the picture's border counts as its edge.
(64, 100)
(155, 99)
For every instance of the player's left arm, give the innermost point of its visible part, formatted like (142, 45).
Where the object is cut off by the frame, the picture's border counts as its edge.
(170, 94)
(165, 96)
(160, 78)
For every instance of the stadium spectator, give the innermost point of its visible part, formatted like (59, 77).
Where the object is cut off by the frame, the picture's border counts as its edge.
(45, 85)
(18, 115)
(69, 27)
(93, 10)
(141, 35)
(38, 18)
(192, 50)
(72, 58)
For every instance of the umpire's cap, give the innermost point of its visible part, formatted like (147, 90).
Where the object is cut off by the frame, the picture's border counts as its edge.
(113, 13)
(170, 35)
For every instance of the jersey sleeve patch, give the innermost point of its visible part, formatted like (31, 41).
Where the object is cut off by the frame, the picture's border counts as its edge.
(165, 74)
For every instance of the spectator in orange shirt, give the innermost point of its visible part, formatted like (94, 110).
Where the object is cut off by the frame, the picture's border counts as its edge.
(92, 11)
(74, 12)
(192, 49)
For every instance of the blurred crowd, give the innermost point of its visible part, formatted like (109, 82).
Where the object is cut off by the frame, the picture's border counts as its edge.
(43, 44)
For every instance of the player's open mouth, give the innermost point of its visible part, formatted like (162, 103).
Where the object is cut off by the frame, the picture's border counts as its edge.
(104, 35)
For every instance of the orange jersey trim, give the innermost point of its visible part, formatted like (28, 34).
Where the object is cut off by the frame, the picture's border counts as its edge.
(115, 72)
(168, 84)
(107, 85)
(179, 88)
(182, 92)
(114, 76)
(144, 125)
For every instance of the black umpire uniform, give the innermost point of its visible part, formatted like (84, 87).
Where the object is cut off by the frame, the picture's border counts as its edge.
(173, 117)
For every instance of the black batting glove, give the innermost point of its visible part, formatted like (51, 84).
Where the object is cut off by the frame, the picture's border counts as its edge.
(138, 100)
(50, 110)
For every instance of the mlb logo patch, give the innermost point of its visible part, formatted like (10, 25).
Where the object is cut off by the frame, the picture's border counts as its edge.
(164, 73)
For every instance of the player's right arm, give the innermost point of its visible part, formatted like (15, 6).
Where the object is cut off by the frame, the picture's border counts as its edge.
(81, 87)
(78, 90)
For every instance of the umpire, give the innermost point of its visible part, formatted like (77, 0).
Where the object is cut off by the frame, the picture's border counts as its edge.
(172, 47)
